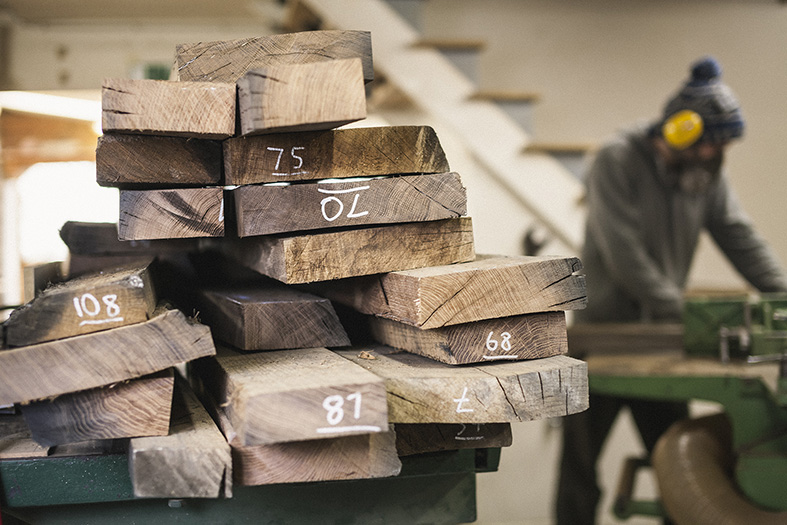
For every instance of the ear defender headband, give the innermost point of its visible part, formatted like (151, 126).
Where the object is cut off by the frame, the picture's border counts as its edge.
(682, 129)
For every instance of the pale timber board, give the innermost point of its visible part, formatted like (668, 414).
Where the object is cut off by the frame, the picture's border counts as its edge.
(361, 456)
(162, 107)
(171, 213)
(490, 286)
(421, 390)
(336, 255)
(587, 339)
(269, 316)
(422, 438)
(228, 60)
(138, 407)
(101, 358)
(340, 153)
(87, 304)
(295, 395)
(272, 209)
(16, 441)
(302, 97)
(192, 461)
(143, 161)
(527, 336)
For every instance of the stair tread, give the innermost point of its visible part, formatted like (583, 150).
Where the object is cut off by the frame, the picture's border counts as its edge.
(506, 96)
(451, 44)
(559, 147)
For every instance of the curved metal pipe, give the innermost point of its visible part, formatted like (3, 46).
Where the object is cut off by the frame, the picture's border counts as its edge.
(693, 463)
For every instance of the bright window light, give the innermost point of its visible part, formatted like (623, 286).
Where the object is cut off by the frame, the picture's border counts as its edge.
(51, 193)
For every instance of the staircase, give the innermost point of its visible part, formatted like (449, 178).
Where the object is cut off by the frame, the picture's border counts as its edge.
(523, 189)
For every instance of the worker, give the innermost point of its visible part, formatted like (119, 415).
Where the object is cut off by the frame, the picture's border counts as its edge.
(650, 192)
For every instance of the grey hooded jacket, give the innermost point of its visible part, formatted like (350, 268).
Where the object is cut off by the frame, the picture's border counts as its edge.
(642, 232)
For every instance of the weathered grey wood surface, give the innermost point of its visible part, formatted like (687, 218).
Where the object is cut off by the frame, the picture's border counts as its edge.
(271, 209)
(489, 286)
(16, 441)
(161, 107)
(528, 336)
(143, 161)
(269, 316)
(294, 395)
(101, 238)
(421, 390)
(38, 277)
(228, 60)
(84, 305)
(301, 97)
(340, 153)
(192, 461)
(137, 407)
(171, 213)
(336, 255)
(362, 456)
(101, 358)
(422, 438)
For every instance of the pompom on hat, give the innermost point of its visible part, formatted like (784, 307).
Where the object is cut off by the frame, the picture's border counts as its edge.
(711, 99)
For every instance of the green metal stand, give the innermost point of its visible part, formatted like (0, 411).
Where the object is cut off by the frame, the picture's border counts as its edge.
(432, 488)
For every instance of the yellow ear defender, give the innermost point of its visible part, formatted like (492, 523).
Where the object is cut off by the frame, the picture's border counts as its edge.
(682, 129)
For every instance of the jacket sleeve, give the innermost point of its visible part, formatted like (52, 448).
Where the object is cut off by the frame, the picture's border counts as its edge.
(746, 249)
(614, 224)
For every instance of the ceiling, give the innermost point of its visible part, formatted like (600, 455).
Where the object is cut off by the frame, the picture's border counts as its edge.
(103, 11)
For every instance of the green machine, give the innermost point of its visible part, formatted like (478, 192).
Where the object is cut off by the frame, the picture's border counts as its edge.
(733, 352)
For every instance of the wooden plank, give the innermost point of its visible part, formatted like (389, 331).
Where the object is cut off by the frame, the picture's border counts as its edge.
(585, 339)
(421, 390)
(192, 461)
(436, 296)
(37, 277)
(101, 238)
(142, 161)
(29, 138)
(227, 61)
(528, 336)
(171, 213)
(294, 395)
(340, 153)
(101, 358)
(138, 407)
(267, 315)
(84, 305)
(363, 456)
(335, 255)
(423, 438)
(161, 107)
(301, 97)
(271, 209)
(16, 441)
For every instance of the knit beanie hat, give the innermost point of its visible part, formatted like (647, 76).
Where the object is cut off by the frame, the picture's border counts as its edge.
(714, 101)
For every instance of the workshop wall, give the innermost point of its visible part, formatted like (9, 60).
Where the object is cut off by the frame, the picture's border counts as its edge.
(601, 64)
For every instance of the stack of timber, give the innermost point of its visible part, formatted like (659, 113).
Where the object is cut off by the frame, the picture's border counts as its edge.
(279, 232)
(92, 358)
(348, 209)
